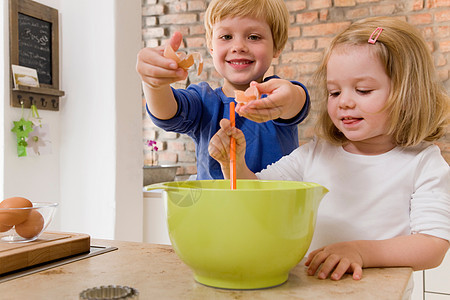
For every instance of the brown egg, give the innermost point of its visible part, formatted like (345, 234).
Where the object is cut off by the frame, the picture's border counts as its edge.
(4, 228)
(32, 226)
(17, 216)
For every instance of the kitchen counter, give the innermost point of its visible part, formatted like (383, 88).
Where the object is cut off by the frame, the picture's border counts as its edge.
(157, 273)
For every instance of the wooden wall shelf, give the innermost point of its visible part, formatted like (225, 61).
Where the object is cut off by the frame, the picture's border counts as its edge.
(34, 43)
(39, 90)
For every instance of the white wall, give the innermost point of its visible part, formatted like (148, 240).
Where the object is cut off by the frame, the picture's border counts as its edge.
(36, 178)
(95, 170)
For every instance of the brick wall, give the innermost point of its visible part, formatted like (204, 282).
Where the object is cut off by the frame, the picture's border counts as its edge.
(313, 25)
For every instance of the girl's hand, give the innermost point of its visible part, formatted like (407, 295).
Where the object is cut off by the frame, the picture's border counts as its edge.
(219, 147)
(336, 259)
(285, 100)
(156, 70)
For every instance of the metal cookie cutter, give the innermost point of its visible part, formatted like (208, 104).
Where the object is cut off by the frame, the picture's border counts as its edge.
(112, 292)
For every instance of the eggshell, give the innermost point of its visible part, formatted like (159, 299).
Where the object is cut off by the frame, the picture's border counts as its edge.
(240, 97)
(170, 53)
(32, 226)
(248, 95)
(198, 62)
(12, 217)
(184, 60)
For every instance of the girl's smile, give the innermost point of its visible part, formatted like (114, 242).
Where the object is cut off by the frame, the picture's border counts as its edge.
(351, 121)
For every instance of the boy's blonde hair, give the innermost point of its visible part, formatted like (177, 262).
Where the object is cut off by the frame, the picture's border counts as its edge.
(274, 12)
(418, 105)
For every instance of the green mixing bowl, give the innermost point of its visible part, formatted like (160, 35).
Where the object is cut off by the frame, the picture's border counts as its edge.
(247, 238)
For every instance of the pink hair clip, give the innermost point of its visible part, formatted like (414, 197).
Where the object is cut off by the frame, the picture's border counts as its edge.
(375, 33)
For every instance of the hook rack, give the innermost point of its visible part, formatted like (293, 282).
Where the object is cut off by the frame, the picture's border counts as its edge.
(43, 98)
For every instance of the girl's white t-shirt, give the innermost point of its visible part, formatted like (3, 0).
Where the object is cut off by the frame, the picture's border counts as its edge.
(401, 192)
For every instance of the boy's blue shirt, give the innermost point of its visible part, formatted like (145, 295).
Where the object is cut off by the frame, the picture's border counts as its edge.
(200, 109)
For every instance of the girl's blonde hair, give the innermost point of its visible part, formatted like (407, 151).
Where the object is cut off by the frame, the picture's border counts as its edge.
(274, 12)
(418, 105)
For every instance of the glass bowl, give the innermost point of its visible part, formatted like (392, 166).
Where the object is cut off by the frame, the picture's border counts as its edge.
(37, 219)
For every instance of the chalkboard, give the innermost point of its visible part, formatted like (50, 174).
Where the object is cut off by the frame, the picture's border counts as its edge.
(35, 46)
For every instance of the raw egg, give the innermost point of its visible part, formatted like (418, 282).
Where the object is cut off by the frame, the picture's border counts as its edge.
(32, 226)
(11, 217)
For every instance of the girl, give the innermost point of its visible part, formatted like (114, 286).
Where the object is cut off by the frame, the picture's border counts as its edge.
(381, 106)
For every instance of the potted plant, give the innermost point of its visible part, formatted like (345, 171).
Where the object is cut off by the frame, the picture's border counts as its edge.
(154, 172)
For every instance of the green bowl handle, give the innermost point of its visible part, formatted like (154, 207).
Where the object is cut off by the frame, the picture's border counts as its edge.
(156, 186)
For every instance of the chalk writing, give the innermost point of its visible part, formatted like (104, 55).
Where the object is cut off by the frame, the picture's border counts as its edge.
(35, 49)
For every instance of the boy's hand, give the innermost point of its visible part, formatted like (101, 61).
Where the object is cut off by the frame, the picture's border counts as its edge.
(219, 146)
(336, 259)
(285, 100)
(156, 70)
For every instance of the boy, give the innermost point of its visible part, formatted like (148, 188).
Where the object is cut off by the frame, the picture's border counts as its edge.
(243, 36)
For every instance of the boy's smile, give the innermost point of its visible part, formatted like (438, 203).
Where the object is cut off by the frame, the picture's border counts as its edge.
(239, 64)
(242, 51)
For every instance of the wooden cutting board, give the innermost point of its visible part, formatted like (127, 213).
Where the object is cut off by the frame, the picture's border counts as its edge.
(49, 246)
